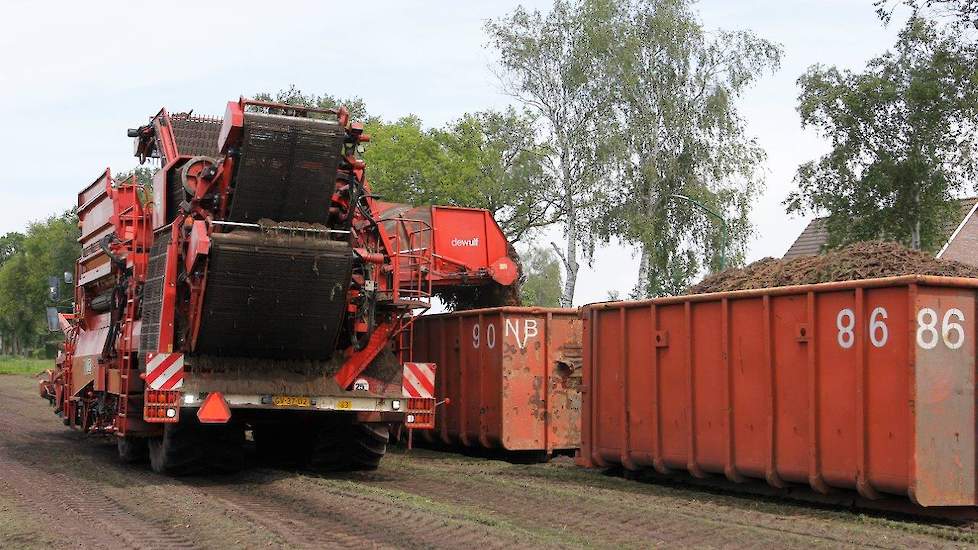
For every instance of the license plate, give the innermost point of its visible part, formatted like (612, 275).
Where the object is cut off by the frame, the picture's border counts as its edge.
(291, 401)
(344, 404)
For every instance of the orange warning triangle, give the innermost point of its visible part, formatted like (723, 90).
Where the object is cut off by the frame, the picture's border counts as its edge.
(214, 410)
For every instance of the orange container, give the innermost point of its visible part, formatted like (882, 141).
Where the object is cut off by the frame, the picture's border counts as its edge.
(512, 376)
(865, 385)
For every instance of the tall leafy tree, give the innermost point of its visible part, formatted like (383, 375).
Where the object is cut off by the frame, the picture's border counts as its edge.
(902, 134)
(542, 287)
(675, 87)
(493, 160)
(961, 13)
(402, 160)
(489, 160)
(548, 62)
(10, 244)
(49, 248)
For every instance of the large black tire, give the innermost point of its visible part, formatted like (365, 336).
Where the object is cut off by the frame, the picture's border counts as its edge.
(132, 450)
(189, 447)
(342, 445)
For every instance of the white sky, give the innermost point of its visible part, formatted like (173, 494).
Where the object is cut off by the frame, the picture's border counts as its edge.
(75, 75)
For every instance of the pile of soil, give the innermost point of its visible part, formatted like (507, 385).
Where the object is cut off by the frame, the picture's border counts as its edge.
(864, 260)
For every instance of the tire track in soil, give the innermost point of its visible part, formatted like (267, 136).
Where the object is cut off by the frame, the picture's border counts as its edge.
(73, 504)
(616, 527)
(299, 530)
(71, 491)
(297, 523)
(377, 518)
(86, 511)
(605, 512)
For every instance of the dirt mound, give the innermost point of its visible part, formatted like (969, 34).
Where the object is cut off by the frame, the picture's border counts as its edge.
(864, 260)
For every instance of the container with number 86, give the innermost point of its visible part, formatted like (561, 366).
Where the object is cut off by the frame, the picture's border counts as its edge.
(863, 385)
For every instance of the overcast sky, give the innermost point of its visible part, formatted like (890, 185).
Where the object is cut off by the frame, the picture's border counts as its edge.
(75, 75)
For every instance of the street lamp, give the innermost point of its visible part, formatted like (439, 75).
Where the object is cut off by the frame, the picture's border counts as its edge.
(723, 226)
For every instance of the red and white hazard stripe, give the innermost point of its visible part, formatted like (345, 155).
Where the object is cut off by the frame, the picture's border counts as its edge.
(164, 371)
(419, 380)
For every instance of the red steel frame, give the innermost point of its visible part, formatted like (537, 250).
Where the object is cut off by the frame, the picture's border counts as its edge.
(401, 249)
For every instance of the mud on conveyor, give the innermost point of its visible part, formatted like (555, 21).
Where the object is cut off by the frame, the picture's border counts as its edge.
(273, 295)
(863, 260)
(287, 169)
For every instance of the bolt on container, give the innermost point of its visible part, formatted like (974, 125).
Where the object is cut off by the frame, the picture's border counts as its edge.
(511, 374)
(866, 385)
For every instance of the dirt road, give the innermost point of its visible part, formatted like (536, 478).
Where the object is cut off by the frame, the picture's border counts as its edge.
(60, 489)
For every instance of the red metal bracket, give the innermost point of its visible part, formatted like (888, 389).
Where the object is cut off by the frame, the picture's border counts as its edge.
(358, 361)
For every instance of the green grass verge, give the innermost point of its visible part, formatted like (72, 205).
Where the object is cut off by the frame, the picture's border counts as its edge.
(24, 367)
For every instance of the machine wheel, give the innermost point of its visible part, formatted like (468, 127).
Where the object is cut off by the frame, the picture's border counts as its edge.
(132, 450)
(342, 445)
(189, 448)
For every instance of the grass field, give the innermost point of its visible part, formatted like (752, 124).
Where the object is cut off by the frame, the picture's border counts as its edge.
(24, 367)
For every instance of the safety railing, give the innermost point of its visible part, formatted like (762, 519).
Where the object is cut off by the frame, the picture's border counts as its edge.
(411, 263)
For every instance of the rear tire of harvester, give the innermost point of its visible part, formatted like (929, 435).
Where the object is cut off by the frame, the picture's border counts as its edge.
(342, 445)
(132, 450)
(189, 447)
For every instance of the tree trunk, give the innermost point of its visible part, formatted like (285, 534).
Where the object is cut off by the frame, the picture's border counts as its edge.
(569, 257)
(644, 270)
(915, 231)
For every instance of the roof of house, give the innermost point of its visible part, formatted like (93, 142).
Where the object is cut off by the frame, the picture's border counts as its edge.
(813, 238)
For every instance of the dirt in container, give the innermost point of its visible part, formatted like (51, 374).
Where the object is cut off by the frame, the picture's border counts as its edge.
(862, 260)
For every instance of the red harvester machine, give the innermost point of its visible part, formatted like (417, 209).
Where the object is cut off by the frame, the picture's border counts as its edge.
(258, 285)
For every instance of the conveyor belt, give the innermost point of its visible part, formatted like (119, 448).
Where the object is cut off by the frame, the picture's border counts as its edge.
(152, 301)
(273, 296)
(287, 169)
(196, 135)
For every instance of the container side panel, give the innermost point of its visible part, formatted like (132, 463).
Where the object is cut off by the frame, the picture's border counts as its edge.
(789, 316)
(451, 354)
(608, 385)
(945, 397)
(749, 386)
(640, 346)
(453, 380)
(524, 413)
(564, 397)
(498, 361)
(838, 330)
(708, 409)
(887, 386)
(674, 381)
(470, 381)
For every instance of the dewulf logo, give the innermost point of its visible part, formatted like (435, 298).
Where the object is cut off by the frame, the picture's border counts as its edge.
(456, 242)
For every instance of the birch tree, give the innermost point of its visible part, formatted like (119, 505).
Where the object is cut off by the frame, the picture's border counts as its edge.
(675, 86)
(547, 63)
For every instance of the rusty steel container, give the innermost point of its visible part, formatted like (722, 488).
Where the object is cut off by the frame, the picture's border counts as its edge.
(865, 385)
(511, 374)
